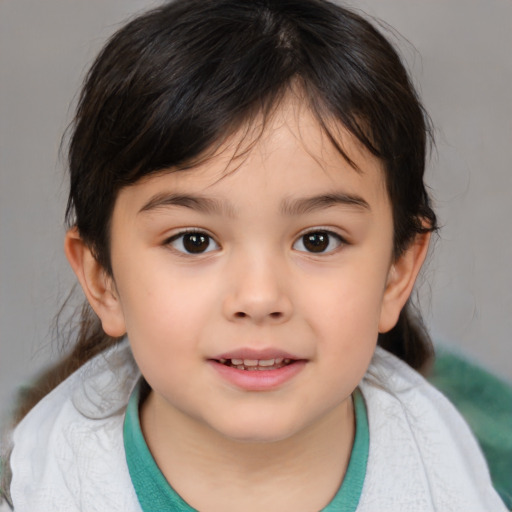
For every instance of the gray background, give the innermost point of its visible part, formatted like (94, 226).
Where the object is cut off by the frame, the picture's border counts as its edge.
(460, 54)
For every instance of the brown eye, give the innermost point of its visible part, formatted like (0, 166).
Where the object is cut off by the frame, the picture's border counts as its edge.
(193, 243)
(196, 242)
(318, 242)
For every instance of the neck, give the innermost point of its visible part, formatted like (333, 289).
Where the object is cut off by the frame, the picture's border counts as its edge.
(213, 473)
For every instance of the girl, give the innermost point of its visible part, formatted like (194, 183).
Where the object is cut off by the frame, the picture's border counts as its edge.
(247, 217)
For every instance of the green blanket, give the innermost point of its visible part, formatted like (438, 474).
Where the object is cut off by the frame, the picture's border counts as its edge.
(485, 401)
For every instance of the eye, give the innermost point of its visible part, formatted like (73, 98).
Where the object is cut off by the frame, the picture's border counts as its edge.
(192, 242)
(318, 242)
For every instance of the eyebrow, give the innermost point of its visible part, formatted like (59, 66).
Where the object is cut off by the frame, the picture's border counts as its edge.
(289, 207)
(200, 203)
(309, 204)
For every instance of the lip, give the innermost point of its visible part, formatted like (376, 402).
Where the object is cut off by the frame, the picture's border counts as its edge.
(257, 380)
(250, 353)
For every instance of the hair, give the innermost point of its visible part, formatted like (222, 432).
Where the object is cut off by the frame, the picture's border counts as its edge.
(176, 81)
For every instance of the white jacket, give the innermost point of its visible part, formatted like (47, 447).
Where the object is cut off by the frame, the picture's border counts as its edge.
(69, 455)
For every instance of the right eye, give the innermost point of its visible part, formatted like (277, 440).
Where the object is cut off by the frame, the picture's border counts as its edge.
(192, 242)
(319, 242)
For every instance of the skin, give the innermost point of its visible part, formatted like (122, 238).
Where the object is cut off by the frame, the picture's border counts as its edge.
(256, 286)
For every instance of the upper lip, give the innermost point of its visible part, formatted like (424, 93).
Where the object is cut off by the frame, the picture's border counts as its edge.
(257, 354)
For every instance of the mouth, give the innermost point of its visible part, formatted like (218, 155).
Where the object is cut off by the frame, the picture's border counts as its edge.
(252, 365)
(257, 370)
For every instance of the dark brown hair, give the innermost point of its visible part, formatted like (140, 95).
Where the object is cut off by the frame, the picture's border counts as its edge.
(177, 80)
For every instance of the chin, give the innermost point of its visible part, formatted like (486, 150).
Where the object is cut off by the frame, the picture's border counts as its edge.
(257, 432)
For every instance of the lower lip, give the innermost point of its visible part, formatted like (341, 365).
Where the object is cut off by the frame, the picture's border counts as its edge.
(258, 380)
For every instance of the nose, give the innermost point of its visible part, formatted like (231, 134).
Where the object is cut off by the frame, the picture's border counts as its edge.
(258, 291)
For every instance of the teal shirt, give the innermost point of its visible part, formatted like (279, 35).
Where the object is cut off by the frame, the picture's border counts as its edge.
(156, 495)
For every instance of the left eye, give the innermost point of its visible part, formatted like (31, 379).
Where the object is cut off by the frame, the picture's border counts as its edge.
(193, 243)
(318, 242)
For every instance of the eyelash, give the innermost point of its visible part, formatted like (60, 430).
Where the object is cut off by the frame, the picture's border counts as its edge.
(325, 236)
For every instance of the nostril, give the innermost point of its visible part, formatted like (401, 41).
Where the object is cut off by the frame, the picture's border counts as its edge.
(274, 315)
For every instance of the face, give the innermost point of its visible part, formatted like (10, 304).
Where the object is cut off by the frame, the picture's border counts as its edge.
(252, 289)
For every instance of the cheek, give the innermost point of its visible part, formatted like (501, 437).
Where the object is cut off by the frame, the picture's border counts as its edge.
(163, 308)
(345, 317)
(349, 300)
(164, 325)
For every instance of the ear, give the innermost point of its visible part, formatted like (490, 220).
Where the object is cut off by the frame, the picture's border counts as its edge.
(401, 278)
(98, 286)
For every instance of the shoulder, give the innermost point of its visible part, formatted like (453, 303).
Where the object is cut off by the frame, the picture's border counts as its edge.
(69, 448)
(423, 455)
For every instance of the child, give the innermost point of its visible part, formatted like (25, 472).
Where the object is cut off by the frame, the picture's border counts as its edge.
(247, 219)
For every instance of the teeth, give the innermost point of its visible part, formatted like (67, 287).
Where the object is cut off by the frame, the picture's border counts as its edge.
(256, 364)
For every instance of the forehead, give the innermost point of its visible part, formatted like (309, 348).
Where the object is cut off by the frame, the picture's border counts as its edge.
(287, 154)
